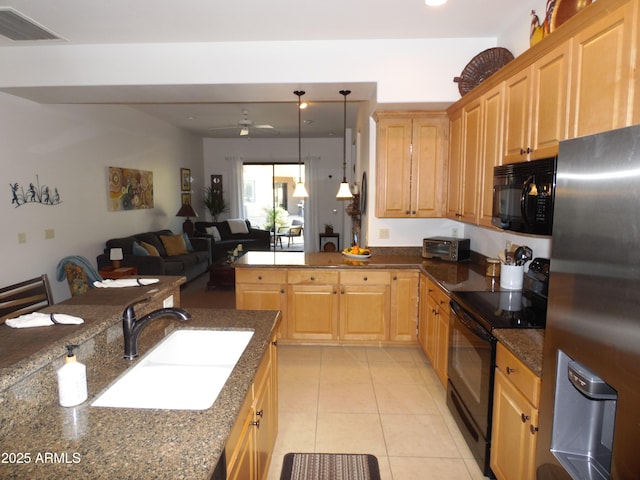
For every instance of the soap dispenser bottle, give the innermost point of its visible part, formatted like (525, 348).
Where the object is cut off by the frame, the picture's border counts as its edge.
(72, 380)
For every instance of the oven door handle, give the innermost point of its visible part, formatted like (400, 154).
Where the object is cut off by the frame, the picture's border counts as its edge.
(470, 323)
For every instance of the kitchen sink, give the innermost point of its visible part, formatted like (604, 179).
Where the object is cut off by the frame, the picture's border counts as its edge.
(185, 371)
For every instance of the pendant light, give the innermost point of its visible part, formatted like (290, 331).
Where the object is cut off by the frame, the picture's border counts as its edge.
(300, 191)
(344, 192)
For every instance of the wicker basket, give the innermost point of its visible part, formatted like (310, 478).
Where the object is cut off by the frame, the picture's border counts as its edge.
(481, 67)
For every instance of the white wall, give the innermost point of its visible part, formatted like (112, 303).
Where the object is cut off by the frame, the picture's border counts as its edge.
(70, 147)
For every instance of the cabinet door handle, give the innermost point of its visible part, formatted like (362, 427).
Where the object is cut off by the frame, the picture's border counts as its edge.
(413, 212)
(312, 278)
(260, 413)
(256, 423)
(274, 343)
(406, 212)
(522, 151)
(365, 278)
(395, 278)
(342, 292)
(334, 292)
(524, 418)
(510, 370)
(259, 277)
(282, 290)
(533, 429)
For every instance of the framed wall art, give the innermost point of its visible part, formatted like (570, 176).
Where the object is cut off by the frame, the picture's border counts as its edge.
(130, 189)
(186, 198)
(185, 179)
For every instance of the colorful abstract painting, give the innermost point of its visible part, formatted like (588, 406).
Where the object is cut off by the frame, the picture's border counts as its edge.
(130, 189)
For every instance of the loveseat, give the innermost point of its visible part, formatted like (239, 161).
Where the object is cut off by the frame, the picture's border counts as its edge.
(229, 233)
(161, 253)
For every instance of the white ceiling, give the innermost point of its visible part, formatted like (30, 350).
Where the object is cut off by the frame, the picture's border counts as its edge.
(78, 22)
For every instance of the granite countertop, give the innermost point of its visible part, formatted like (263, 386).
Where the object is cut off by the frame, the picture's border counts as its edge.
(95, 442)
(526, 344)
(23, 351)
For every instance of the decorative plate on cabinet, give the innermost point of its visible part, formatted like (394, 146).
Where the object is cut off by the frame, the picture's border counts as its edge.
(563, 10)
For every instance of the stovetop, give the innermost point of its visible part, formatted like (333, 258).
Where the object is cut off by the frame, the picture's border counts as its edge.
(504, 309)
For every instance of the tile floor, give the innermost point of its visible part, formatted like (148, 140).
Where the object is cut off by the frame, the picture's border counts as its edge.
(384, 401)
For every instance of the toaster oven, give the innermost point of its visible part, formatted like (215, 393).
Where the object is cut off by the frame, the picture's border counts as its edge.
(446, 248)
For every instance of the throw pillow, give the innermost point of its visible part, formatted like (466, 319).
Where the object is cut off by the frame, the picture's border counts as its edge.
(237, 225)
(214, 232)
(187, 242)
(139, 250)
(153, 251)
(174, 245)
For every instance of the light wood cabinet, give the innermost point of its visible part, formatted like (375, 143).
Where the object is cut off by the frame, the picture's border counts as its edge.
(411, 164)
(263, 289)
(312, 303)
(515, 418)
(454, 192)
(252, 439)
(325, 305)
(433, 329)
(604, 59)
(365, 305)
(478, 129)
(492, 121)
(536, 108)
(404, 305)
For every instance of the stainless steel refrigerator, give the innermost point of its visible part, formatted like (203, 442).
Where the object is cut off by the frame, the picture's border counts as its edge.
(589, 423)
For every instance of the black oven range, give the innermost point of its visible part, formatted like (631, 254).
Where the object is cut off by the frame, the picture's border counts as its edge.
(472, 353)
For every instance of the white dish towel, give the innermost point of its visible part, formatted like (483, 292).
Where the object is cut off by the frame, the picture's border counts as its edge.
(126, 282)
(37, 319)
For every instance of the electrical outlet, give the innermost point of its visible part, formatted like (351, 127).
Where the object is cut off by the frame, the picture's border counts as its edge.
(49, 233)
(22, 237)
(383, 233)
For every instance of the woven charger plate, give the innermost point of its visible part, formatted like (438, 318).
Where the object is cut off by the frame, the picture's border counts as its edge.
(481, 67)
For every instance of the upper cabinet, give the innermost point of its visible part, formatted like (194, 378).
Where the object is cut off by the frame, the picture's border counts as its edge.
(475, 148)
(578, 81)
(603, 67)
(536, 108)
(411, 164)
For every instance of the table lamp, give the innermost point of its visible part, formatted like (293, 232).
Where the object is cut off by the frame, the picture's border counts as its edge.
(187, 211)
(115, 255)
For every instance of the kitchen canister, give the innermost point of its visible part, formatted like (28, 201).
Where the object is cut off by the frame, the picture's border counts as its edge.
(493, 267)
(511, 277)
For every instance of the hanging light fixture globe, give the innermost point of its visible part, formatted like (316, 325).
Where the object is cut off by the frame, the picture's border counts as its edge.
(299, 191)
(344, 192)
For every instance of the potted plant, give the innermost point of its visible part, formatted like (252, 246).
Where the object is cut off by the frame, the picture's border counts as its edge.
(328, 228)
(275, 216)
(214, 201)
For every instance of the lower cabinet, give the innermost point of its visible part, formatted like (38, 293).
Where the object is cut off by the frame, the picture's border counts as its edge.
(250, 444)
(515, 418)
(326, 305)
(433, 329)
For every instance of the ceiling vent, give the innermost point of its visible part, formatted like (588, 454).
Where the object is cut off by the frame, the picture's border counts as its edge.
(16, 26)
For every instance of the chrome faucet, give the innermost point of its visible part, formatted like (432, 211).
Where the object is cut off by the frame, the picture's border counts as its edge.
(132, 327)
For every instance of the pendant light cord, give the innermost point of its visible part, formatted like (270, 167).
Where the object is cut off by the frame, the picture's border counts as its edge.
(344, 139)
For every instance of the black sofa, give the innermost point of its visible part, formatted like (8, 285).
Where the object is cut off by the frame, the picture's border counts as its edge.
(255, 239)
(190, 265)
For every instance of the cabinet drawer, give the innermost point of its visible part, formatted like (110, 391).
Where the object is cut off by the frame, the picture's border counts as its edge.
(518, 374)
(261, 275)
(440, 296)
(365, 277)
(312, 277)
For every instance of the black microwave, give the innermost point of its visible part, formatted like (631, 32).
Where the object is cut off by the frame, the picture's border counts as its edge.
(523, 196)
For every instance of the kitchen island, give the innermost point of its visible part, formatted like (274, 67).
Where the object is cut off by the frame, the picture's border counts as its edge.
(40, 439)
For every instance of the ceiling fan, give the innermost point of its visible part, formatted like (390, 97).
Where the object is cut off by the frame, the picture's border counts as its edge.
(246, 127)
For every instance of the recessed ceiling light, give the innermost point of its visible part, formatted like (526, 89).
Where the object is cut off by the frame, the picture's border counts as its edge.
(435, 3)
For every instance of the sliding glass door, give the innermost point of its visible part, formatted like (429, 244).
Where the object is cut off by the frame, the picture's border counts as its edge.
(268, 202)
